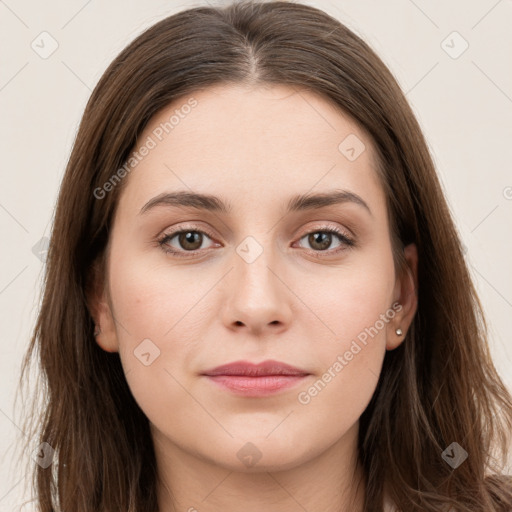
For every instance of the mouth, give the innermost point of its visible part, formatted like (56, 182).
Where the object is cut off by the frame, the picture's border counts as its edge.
(256, 380)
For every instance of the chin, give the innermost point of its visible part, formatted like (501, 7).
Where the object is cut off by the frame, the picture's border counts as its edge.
(260, 454)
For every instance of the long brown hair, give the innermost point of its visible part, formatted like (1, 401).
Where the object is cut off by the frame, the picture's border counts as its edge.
(438, 387)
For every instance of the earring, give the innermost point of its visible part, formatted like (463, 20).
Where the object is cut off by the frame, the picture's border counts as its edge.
(97, 330)
(399, 332)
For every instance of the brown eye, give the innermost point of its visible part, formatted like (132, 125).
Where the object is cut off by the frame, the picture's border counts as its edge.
(190, 240)
(320, 240)
(184, 242)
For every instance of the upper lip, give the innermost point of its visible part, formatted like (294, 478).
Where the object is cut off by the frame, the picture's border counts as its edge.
(248, 369)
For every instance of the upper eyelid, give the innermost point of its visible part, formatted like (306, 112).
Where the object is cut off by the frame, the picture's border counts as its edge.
(193, 227)
(198, 229)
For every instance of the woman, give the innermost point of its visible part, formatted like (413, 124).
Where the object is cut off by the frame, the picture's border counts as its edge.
(255, 294)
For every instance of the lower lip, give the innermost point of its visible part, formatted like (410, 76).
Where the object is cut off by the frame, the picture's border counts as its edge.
(256, 386)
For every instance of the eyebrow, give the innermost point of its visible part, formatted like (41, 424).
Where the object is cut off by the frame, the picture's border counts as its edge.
(216, 204)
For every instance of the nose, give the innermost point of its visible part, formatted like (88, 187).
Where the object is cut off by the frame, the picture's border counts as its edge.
(258, 300)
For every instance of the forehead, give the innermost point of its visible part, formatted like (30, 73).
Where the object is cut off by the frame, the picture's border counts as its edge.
(253, 142)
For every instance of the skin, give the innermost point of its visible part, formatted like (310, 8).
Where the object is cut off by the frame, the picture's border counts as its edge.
(254, 147)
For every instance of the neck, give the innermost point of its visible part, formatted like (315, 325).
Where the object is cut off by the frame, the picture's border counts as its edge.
(333, 481)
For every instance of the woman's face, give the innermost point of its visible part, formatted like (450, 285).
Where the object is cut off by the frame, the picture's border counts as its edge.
(258, 277)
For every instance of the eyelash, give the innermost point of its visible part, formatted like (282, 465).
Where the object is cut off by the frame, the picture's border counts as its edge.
(348, 242)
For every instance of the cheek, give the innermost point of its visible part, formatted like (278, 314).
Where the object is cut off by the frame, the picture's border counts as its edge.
(348, 365)
(156, 311)
(352, 299)
(154, 301)
(356, 304)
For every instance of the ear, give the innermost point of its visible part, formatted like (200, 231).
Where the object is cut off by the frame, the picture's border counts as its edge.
(100, 308)
(405, 294)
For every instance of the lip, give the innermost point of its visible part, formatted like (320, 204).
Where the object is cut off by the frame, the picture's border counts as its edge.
(256, 380)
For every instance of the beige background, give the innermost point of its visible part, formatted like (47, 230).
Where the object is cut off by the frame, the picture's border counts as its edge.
(463, 102)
